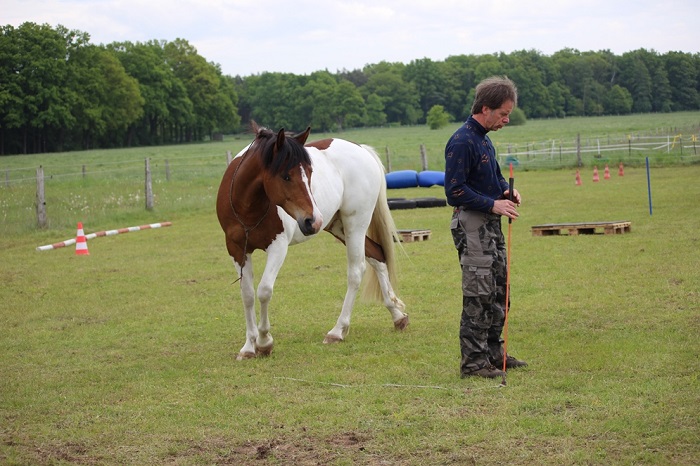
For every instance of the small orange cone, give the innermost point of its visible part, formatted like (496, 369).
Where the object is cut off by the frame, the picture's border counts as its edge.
(595, 174)
(607, 172)
(578, 178)
(621, 171)
(81, 248)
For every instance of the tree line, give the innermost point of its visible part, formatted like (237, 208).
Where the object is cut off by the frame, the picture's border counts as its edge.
(59, 92)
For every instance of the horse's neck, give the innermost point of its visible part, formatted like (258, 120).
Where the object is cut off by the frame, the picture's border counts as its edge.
(248, 194)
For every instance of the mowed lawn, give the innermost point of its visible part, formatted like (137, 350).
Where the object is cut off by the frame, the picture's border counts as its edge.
(127, 356)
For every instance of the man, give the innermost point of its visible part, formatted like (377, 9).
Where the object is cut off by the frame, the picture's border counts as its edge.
(480, 194)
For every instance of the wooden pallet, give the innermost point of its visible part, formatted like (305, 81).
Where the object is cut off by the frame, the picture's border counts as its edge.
(586, 228)
(409, 236)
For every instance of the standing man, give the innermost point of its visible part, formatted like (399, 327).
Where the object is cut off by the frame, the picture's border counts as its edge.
(479, 193)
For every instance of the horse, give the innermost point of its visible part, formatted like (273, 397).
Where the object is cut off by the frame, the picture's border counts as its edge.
(279, 191)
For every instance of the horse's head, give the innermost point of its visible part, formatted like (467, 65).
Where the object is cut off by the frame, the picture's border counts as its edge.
(287, 176)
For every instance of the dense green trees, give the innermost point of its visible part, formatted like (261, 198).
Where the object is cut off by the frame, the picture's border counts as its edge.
(59, 92)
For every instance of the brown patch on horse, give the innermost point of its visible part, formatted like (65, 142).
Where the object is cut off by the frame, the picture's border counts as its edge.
(372, 249)
(321, 144)
(262, 224)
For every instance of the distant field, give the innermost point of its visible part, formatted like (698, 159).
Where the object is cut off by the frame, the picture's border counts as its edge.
(102, 187)
(404, 143)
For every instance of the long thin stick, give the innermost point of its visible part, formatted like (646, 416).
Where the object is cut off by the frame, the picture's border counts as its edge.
(649, 186)
(511, 182)
(68, 242)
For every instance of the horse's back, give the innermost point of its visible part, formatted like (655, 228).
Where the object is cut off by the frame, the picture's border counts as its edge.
(346, 174)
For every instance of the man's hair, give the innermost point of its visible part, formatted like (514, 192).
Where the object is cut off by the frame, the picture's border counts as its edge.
(494, 92)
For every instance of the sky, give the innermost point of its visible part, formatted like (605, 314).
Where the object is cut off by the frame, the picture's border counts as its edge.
(247, 37)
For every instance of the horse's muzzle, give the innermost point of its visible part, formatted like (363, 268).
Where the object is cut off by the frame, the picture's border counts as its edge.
(310, 225)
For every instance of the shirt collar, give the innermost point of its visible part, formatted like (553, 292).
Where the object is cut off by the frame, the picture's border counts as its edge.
(472, 121)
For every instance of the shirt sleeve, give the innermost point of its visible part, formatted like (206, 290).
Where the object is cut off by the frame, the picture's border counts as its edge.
(501, 179)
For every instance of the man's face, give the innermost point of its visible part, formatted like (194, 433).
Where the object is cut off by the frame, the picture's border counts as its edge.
(497, 118)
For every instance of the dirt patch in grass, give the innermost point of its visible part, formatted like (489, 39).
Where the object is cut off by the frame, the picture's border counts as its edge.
(301, 451)
(69, 452)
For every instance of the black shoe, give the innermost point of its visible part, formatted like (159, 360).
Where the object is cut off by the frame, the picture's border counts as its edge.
(489, 371)
(511, 362)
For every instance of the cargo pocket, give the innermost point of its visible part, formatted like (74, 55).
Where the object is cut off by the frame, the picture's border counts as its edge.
(477, 279)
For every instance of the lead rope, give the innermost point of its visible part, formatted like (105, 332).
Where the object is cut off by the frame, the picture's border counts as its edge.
(246, 229)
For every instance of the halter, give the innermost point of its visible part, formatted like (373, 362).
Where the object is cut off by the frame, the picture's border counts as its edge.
(246, 229)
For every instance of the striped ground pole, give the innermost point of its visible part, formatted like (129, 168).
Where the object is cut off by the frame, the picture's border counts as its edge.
(99, 234)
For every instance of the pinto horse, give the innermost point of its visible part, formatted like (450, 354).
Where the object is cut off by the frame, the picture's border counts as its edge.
(278, 192)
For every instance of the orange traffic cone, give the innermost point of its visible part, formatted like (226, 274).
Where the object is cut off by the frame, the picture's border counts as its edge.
(578, 178)
(621, 170)
(595, 174)
(81, 248)
(607, 172)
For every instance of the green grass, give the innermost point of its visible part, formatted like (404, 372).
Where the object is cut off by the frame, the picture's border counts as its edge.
(127, 356)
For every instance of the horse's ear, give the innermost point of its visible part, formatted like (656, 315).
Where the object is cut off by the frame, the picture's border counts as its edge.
(254, 127)
(302, 137)
(280, 138)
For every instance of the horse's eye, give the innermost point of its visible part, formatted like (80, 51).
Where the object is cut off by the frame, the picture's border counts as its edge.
(286, 177)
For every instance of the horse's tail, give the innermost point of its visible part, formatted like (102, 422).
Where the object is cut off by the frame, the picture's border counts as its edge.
(382, 230)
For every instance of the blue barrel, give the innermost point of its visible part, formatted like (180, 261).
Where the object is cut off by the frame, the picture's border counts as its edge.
(402, 179)
(430, 178)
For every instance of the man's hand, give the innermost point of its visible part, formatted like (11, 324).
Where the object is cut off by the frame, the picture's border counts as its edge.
(506, 206)
(516, 196)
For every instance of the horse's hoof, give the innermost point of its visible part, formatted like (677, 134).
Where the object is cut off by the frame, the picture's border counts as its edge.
(245, 355)
(330, 339)
(402, 323)
(264, 351)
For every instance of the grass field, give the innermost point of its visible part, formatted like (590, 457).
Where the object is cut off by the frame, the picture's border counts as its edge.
(126, 356)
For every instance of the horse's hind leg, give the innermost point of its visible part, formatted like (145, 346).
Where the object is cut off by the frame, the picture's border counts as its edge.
(392, 302)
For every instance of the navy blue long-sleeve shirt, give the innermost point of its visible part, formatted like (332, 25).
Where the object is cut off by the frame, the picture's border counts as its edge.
(473, 177)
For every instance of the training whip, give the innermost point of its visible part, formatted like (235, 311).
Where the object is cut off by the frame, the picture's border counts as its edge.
(505, 325)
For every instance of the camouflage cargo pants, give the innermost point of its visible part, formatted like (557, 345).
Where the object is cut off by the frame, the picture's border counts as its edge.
(482, 256)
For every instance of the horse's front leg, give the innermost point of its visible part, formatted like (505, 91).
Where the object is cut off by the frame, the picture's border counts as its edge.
(276, 253)
(356, 269)
(248, 297)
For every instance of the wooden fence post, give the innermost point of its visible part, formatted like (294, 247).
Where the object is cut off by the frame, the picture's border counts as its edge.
(578, 150)
(167, 170)
(388, 159)
(149, 186)
(228, 158)
(629, 145)
(41, 220)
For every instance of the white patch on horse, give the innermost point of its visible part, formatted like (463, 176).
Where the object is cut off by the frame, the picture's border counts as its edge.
(318, 217)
